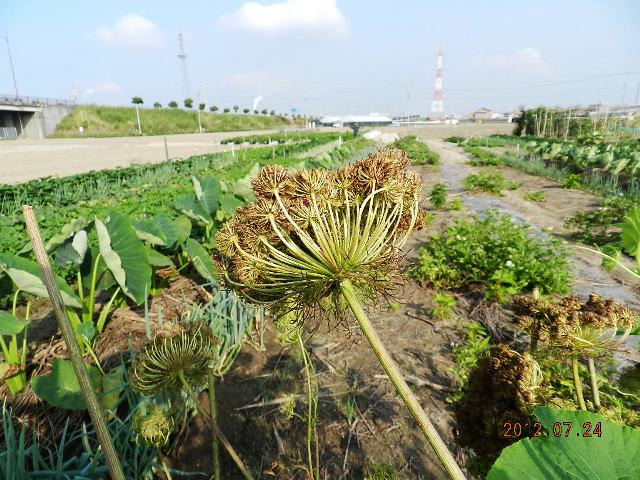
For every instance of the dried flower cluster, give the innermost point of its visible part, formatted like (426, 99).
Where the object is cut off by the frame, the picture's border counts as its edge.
(583, 328)
(306, 232)
(502, 387)
(187, 352)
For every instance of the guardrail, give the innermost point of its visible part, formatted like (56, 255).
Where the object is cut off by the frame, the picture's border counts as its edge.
(34, 101)
(8, 132)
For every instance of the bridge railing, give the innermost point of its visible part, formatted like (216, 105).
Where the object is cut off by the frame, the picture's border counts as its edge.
(34, 101)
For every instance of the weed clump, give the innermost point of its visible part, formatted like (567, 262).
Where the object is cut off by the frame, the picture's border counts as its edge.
(417, 151)
(488, 182)
(501, 256)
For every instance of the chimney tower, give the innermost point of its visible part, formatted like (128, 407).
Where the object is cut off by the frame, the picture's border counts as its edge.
(437, 104)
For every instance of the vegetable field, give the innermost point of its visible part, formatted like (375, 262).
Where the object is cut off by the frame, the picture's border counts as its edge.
(318, 306)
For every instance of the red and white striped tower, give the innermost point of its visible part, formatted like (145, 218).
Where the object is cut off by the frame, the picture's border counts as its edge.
(437, 104)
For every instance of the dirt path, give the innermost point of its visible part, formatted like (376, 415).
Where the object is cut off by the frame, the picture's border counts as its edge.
(550, 216)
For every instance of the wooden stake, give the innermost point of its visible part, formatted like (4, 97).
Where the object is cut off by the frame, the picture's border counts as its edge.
(89, 394)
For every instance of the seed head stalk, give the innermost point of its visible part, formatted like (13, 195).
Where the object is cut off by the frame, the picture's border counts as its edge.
(324, 242)
(396, 377)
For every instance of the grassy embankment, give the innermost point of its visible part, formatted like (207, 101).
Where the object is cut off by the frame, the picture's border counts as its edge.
(100, 121)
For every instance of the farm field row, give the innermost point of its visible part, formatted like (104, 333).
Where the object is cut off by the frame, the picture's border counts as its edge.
(297, 386)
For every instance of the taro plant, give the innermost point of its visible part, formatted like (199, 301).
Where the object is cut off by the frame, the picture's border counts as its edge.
(318, 242)
(13, 368)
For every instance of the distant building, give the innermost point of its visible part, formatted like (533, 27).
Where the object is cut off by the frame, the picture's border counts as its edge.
(482, 114)
(371, 120)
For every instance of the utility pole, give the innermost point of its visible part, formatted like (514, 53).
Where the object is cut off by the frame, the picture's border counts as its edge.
(13, 72)
(138, 116)
(183, 63)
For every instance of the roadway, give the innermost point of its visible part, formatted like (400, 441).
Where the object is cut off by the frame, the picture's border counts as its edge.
(23, 160)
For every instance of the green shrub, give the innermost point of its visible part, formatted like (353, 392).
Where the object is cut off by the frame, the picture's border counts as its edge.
(455, 139)
(438, 195)
(601, 226)
(418, 152)
(538, 197)
(489, 182)
(496, 253)
(456, 204)
(572, 180)
(482, 157)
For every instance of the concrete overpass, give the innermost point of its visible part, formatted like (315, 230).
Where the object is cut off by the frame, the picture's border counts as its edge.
(31, 117)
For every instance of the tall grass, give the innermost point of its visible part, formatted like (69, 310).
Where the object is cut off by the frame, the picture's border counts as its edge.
(100, 121)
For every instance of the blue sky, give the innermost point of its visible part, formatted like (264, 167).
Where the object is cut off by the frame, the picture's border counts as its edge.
(327, 56)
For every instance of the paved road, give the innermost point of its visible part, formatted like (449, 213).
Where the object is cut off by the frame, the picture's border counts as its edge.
(24, 160)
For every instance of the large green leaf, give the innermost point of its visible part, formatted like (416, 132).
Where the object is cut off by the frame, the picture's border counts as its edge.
(613, 455)
(61, 389)
(631, 232)
(183, 229)
(229, 203)
(156, 259)
(148, 231)
(73, 250)
(168, 228)
(125, 256)
(201, 259)
(66, 232)
(208, 191)
(192, 209)
(113, 384)
(26, 275)
(242, 187)
(10, 325)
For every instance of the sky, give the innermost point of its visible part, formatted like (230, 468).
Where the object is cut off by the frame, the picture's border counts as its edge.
(326, 56)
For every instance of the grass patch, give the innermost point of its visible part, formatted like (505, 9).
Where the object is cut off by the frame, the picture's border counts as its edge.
(488, 182)
(101, 121)
(538, 197)
(438, 195)
(494, 252)
(476, 345)
(418, 152)
(482, 157)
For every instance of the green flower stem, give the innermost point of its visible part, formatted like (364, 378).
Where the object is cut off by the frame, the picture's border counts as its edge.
(215, 449)
(91, 400)
(310, 413)
(214, 426)
(577, 383)
(410, 400)
(594, 382)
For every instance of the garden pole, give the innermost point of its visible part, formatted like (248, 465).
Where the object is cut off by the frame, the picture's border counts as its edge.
(89, 394)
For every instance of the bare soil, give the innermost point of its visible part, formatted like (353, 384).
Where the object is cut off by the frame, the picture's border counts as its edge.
(382, 432)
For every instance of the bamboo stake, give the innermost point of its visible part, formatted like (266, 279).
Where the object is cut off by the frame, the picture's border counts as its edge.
(88, 393)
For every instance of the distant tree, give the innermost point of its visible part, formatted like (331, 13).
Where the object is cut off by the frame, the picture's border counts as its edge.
(236, 108)
(256, 112)
(245, 110)
(201, 106)
(188, 102)
(272, 112)
(213, 108)
(264, 111)
(173, 104)
(157, 105)
(137, 100)
(226, 110)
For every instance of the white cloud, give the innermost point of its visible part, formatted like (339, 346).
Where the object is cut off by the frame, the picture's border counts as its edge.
(288, 16)
(130, 31)
(528, 60)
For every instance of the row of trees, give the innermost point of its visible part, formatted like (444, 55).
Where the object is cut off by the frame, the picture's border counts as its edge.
(188, 103)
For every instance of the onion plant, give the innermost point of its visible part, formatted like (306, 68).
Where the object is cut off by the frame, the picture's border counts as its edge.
(317, 242)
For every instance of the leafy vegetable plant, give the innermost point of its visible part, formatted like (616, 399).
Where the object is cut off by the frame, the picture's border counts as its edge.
(494, 252)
